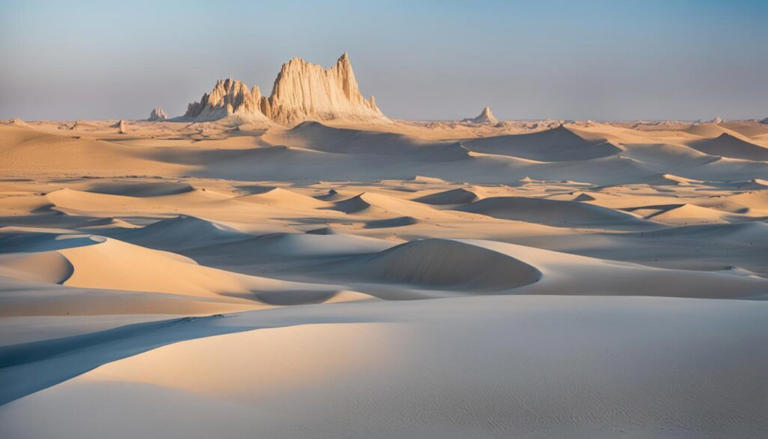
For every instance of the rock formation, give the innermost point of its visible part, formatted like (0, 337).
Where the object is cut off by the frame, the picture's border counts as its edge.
(302, 91)
(18, 122)
(120, 125)
(485, 117)
(305, 91)
(228, 98)
(157, 114)
(765, 121)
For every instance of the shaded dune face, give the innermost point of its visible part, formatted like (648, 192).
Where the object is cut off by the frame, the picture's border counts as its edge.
(552, 212)
(453, 196)
(48, 267)
(182, 232)
(727, 145)
(314, 135)
(141, 189)
(555, 145)
(440, 263)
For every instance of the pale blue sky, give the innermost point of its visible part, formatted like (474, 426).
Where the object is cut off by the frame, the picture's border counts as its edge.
(421, 59)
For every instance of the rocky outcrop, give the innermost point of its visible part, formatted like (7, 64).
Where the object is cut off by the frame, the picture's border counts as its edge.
(306, 91)
(120, 125)
(485, 117)
(157, 114)
(18, 122)
(765, 121)
(228, 98)
(302, 91)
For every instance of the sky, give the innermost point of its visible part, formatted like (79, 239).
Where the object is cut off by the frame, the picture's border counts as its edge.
(425, 60)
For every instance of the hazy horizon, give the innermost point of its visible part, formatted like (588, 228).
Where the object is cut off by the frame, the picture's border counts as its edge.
(598, 60)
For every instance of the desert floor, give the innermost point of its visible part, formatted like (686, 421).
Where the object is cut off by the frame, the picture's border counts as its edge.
(412, 279)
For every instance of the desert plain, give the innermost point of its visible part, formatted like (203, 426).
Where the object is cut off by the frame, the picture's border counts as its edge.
(262, 268)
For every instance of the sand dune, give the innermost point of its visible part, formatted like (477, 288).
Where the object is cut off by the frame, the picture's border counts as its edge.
(140, 189)
(672, 180)
(584, 197)
(49, 267)
(314, 135)
(182, 232)
(552, 212)
(479, 266)
(80, 201)
(283, 198)
(284, 250)
(121, 266)
(751, 202)
(378, 205)
(555, 145)
(15, 240)
(453, 196)
(28, 151)
(570, 274)
(727, 145)
(680, 214)
(435, 263)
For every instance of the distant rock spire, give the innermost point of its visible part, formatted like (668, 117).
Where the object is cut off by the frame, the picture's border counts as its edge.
(157, 114)
(485, 117)
(120, 125)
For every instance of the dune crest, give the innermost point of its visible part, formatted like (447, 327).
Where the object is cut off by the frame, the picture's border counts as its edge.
(727, 145)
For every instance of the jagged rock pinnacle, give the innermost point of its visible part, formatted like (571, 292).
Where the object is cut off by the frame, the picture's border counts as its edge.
(157, 114)
(302, 91)
(485, 117)
(228, 97)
